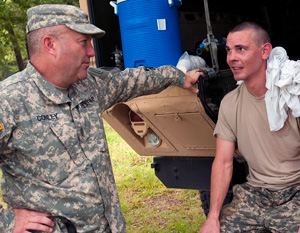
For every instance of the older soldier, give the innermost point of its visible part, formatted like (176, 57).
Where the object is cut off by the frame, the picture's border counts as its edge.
(54, 154)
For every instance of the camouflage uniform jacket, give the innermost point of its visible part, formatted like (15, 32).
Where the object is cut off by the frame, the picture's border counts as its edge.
(53, 150)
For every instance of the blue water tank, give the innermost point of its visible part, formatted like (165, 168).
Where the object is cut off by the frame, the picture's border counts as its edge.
(150, 32)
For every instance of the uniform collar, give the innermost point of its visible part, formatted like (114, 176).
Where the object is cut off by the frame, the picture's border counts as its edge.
(47, 88)
(78, 92)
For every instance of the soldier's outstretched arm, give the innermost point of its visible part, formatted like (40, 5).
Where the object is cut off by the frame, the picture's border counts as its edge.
(222, 169)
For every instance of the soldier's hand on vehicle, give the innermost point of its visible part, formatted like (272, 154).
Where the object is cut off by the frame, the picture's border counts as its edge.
(191, 78)
(26, 220)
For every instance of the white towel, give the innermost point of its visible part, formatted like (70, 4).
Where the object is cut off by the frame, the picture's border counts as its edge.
(283, 84)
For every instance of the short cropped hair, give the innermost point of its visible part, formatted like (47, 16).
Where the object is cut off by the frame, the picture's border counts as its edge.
(261, 34)
(34, 38)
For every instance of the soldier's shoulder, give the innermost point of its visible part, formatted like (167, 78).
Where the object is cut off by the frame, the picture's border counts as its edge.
(12, 82)
(234, 94)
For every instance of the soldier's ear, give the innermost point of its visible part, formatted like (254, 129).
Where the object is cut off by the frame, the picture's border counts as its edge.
(50, 45)
(266, 50)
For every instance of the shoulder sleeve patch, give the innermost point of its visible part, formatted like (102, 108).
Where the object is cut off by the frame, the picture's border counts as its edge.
(2, 130)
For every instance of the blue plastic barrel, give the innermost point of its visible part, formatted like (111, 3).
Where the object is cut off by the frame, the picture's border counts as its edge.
(150, 32)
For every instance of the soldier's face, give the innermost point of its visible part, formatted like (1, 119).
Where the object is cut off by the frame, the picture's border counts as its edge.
(243, 56)
(74, 53)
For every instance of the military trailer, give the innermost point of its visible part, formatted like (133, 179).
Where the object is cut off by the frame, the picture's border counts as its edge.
(176, 126)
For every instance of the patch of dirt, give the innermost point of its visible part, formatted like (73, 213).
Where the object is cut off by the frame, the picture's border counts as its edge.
(166, 207)
(166, 200)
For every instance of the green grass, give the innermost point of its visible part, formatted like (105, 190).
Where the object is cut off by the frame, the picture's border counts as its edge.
(147, 205)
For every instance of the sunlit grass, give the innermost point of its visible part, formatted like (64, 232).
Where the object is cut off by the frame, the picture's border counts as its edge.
(147, 205)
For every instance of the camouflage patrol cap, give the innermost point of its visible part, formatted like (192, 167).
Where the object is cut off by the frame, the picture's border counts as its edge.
(48, 15)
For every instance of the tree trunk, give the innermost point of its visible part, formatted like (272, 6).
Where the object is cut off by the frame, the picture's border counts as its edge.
(16, 49)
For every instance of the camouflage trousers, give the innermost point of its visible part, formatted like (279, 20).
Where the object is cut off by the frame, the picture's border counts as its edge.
(261, 210)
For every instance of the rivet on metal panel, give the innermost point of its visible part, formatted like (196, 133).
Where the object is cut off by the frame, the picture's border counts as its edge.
(177, 117)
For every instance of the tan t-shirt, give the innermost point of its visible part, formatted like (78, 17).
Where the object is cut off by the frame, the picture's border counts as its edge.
(273, 157)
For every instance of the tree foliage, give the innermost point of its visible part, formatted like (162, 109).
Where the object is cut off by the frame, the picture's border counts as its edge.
(13, 18)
